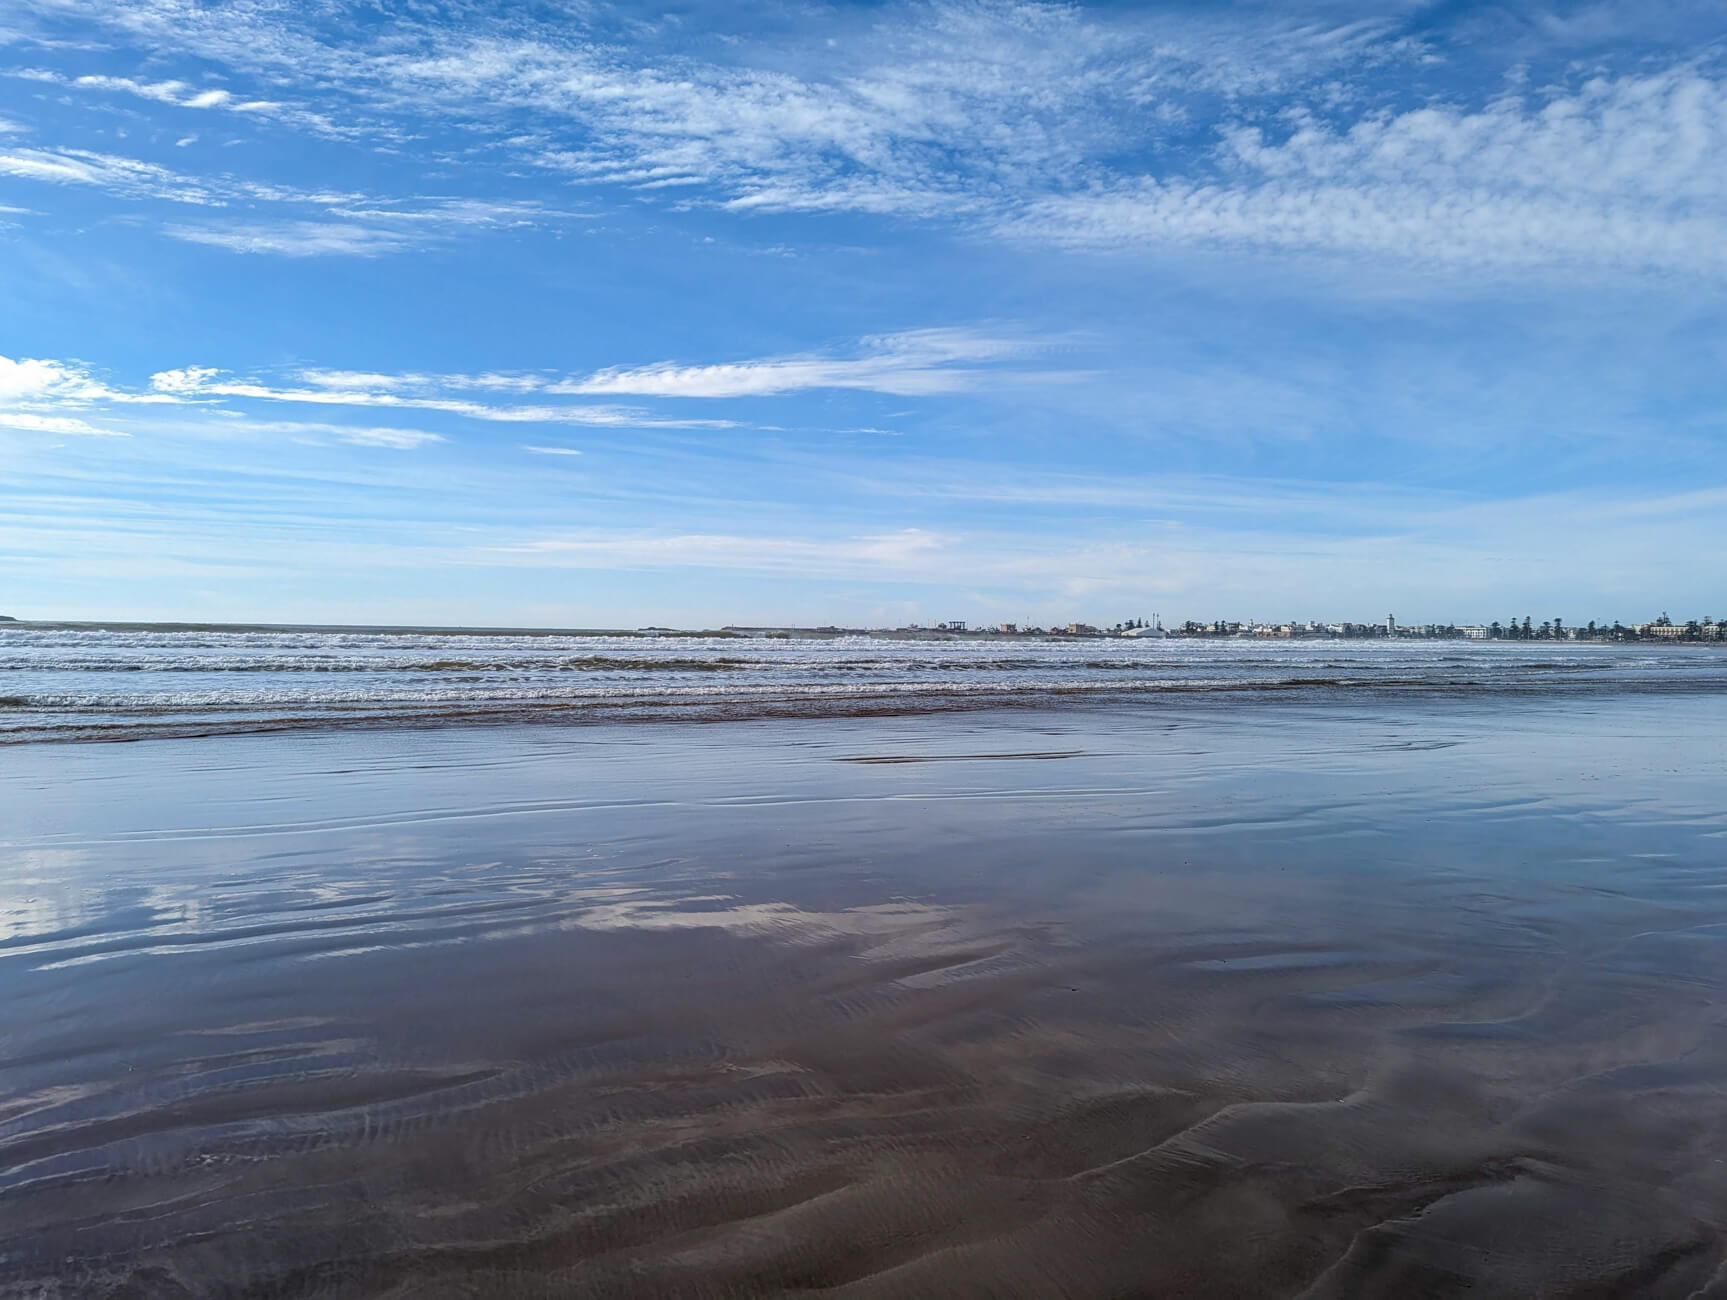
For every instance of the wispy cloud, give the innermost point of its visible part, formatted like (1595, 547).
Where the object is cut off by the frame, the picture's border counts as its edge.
(915, 364)
(257, 217)
(1067, 126)
(358, 435)
(50, 396)
(185, 95)
(366, 229)
(178, 93)
(407, 393)
(940, 110)
(298, 238)
(936, 109)
(29, 422)
(912, 363)
(125, 176)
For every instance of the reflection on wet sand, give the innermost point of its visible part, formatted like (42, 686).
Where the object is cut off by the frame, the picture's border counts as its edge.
(1364, 1004)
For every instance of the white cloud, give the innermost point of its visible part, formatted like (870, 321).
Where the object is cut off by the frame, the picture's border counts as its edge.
(452, 212)
(333, 224)
(185, 381)
(495, 382)
(298, 238)
(163, 92)
(28, 381)
(36, 394)
(348, 379)
(125, 176)
(135, 179)
(919, 363)
(205, 383)
(400, 439)
(365, 229)
(181, 94)
(28, 377)
(45, 390)
(551, 451)
(1626, 173)
(31, 423)
(359, 435)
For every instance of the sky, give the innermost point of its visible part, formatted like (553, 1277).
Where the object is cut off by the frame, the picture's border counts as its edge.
(609, 315)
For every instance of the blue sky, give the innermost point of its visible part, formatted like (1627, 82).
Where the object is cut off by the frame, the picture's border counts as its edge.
(587, 314)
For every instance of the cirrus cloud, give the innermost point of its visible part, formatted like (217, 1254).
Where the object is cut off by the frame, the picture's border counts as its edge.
(28, 422)
(919, 363)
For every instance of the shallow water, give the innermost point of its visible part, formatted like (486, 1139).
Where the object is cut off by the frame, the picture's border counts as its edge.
(1364, 997)
(61, 683)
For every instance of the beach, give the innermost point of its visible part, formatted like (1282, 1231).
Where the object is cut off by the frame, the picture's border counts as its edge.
(1376, 994)
(875, 649)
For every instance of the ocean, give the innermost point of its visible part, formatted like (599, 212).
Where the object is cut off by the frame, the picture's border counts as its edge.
(136, 682)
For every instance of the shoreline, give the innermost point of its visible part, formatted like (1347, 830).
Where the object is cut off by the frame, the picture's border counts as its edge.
(960, 701)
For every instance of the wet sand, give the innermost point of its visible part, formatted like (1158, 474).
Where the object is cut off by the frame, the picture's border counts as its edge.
(1371, 1000)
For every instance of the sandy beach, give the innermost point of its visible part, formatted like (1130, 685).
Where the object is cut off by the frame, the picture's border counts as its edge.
(1244, 1001)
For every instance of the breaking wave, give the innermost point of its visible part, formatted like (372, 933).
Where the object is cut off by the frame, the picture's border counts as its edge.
(136, 682)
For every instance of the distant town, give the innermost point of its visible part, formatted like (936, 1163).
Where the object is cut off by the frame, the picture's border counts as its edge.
(1658, 630)
(1662, 629)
